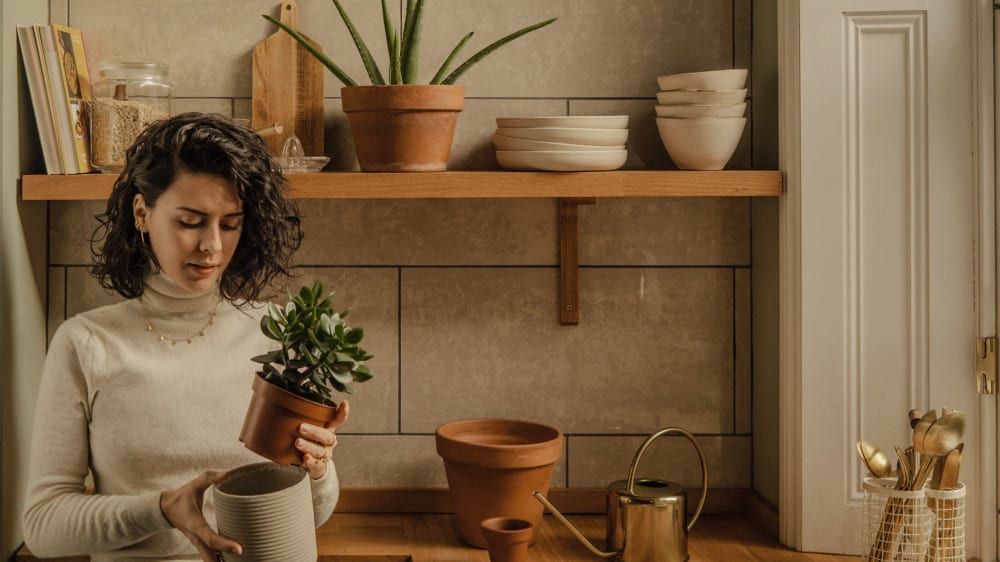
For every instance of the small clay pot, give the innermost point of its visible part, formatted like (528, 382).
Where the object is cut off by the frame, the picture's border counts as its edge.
(493, 466)
(273, 419)
(403, 128)
(507, 538)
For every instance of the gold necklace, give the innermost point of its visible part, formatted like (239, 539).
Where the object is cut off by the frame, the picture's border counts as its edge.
(175, 341)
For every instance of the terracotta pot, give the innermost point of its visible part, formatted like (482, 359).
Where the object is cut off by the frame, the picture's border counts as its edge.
(267, 508)
(273, 418)
(493, 466)
(507, 539)
(403, 128)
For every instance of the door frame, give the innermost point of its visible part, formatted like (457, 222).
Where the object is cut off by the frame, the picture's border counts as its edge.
(790, 294)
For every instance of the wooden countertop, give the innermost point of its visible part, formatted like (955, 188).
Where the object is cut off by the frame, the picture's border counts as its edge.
(430, 538)
(392, 537)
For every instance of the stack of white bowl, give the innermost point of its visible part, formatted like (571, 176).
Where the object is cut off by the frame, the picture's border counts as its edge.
(700, 116)
(564, 143)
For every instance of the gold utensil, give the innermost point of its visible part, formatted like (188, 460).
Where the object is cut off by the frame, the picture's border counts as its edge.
(935, 437)
(874, 459)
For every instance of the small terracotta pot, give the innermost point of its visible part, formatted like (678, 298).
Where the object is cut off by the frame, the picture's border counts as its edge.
(273, 419)
(493, 466)
(403, 128)
(507, 539)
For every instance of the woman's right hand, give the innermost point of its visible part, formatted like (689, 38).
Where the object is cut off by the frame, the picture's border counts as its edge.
(182, 508)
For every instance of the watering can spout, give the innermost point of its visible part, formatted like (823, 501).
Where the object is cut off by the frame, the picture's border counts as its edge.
(576, 532)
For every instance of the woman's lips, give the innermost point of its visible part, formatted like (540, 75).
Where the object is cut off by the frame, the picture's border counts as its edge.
(203, 270)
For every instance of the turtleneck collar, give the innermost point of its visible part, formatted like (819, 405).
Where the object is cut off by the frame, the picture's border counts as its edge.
(164, 294)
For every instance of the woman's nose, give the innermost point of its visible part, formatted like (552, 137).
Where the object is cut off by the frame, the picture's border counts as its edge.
(211, 240)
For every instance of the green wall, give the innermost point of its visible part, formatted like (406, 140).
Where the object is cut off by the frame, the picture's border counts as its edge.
(22, 270)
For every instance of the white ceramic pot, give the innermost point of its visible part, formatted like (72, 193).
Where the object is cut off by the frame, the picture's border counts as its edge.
(267, 508)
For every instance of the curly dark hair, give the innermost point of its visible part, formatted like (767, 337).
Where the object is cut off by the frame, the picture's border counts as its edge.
(199, 143)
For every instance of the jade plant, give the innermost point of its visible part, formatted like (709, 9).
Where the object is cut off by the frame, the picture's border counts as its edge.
(403, 48)
(319, 353)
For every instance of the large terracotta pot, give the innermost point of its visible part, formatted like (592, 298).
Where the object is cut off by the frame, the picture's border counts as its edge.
(403, 128)
(493, 466)
(273, 418)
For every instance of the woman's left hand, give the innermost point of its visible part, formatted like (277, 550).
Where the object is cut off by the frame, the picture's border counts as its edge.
(317, 443)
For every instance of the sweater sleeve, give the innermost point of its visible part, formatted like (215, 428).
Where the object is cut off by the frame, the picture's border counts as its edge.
(325, 493)
(60, 518)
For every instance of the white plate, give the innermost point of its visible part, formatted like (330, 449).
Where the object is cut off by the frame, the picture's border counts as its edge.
(701, 110)
(673, 97)
(570, 135)
(575, 121)
(500, 142)
(302, 164)
(562, 160)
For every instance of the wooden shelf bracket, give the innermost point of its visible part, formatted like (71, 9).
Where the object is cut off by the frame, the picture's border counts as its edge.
(569, 259)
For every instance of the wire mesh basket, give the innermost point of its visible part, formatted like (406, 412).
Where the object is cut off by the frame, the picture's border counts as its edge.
(947, 539)
(897, 523)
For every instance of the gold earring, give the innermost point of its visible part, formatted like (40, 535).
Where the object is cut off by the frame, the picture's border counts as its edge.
(142, 236)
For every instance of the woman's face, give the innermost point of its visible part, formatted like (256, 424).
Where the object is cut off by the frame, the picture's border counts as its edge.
(193, 229)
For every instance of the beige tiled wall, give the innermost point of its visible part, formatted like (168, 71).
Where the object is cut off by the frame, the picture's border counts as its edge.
(458, 297)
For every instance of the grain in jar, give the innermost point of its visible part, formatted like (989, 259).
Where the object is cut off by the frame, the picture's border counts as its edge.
(128, 97)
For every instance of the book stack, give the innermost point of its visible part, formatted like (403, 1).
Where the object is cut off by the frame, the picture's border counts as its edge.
(59, 84)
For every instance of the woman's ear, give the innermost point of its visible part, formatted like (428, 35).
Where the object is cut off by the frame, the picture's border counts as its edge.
(140, 212)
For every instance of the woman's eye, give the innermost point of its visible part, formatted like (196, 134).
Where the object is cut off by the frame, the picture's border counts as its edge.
(190, 224)
(231, 226)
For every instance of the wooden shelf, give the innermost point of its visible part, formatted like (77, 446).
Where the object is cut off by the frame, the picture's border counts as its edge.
(470, 184)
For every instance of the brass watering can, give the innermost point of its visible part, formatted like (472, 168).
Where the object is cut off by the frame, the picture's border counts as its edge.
(647, 518)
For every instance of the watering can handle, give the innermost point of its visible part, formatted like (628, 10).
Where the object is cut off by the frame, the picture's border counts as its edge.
(701, 455)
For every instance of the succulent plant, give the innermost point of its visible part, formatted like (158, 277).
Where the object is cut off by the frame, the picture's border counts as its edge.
(319, 353)
(403, 48)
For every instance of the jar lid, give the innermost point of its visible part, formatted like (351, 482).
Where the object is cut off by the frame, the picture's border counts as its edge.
(133, 70)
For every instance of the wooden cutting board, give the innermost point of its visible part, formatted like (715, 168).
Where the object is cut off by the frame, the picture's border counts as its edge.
(288, 88)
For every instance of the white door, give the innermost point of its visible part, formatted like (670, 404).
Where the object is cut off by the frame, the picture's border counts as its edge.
(879, 248)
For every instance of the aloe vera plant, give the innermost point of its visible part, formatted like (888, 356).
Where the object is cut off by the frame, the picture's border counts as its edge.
(319, 353)
(403, 48)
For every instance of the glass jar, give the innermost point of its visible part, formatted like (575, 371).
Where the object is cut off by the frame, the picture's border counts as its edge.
(128, 96)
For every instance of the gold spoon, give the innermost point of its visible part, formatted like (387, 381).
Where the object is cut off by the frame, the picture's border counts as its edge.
(874, 459)
(905, 469)
(935, 437)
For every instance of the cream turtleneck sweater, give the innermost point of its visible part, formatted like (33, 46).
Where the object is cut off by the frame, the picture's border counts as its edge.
(143, 416)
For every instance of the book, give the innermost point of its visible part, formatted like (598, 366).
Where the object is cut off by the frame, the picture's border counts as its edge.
(72, 63)
(57, 98)
(35, 74)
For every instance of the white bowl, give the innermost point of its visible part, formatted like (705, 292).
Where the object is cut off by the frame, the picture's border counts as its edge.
(701, 97)
(500, 142)
(571, 135)
(562, 160)
(576, 121)
(701, 110)
(728, 79)
(701, 143)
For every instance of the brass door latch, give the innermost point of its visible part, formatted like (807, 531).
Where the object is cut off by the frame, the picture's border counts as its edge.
(986, 365)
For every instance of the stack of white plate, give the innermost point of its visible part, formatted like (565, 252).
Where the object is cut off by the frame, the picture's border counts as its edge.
(700, 116)
(565, 143)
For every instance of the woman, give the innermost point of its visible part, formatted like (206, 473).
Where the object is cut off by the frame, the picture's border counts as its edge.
(147, 396)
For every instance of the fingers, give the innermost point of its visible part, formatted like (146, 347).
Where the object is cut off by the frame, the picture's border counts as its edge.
(217, 542)
(206, 479)
(182, 508)
(341, 416)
